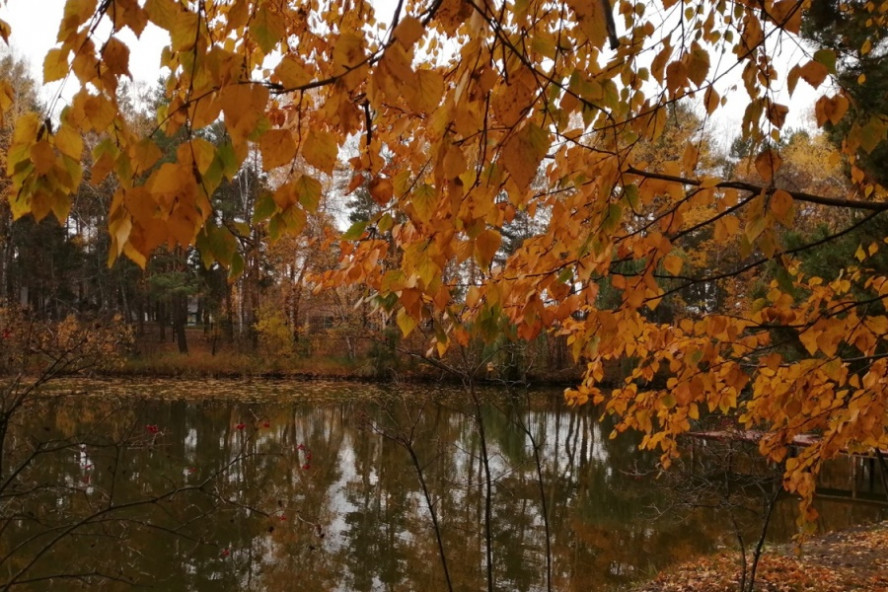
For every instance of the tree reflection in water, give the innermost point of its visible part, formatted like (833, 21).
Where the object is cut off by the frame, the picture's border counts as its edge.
(309, 486)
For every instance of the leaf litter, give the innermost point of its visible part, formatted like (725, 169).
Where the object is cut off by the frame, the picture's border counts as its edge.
(853, 560)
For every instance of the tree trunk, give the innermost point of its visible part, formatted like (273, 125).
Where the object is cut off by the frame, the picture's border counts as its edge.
(161, 321)
(180, 320)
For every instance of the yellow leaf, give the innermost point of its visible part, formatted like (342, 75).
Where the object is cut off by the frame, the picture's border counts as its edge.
(55, 65)
(202, 152)
(409, 31)
(169, 179)
(238, 15)
(284, 196)
(348, 51)
(866, 47)
(183, 32)
(135, 255)
(673, 264)
(162, 13)
(690, 157)
(473, 296)
(69, 142)
(860, 254)
(104, 157)
(809, 340)
(242, 105)
(321, 150)
(292, 73)
(267, 28)
(726, 227)
(144, 155)
(206, 111)
(120, 231)
(308, 191)
(405, 322)
(79, 11)
(427, 92)
(423, 201)
(277, 147)
(871, 134)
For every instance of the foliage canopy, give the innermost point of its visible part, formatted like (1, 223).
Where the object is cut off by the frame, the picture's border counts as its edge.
(473, 117)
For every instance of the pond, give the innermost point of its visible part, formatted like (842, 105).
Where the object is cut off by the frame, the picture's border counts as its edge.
(313, 486)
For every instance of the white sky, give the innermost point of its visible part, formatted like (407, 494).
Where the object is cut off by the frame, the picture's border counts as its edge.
(35, 23)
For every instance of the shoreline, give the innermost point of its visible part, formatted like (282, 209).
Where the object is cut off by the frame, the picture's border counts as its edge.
(850, 560)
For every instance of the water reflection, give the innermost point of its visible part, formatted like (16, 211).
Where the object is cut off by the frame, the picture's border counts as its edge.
(317, 487)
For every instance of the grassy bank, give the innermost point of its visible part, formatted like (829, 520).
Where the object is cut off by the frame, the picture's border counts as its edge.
(151, 356)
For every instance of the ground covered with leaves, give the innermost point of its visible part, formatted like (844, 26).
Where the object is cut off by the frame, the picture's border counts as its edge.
(854, 560)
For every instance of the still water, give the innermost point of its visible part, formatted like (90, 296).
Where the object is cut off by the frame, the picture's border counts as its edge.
(276, 486)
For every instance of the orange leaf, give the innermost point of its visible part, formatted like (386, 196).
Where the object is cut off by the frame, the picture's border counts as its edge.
(673, 264)
(523, 153)
(487, 243)
(115, 55)
(697, 64)
(781, 206)
(381, 190)
(814, 73)
(43, 157)
(788, 14)
(711, 100)
(767, 163)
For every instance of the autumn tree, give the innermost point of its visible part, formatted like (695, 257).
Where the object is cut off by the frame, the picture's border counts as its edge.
(471, 114)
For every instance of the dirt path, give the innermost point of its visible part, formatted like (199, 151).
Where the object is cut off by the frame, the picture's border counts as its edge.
(854, 560)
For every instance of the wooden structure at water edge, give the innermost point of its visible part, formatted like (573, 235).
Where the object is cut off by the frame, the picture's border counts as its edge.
(859, 476)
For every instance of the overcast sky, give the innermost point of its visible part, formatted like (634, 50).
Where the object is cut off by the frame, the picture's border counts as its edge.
(35, 24)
